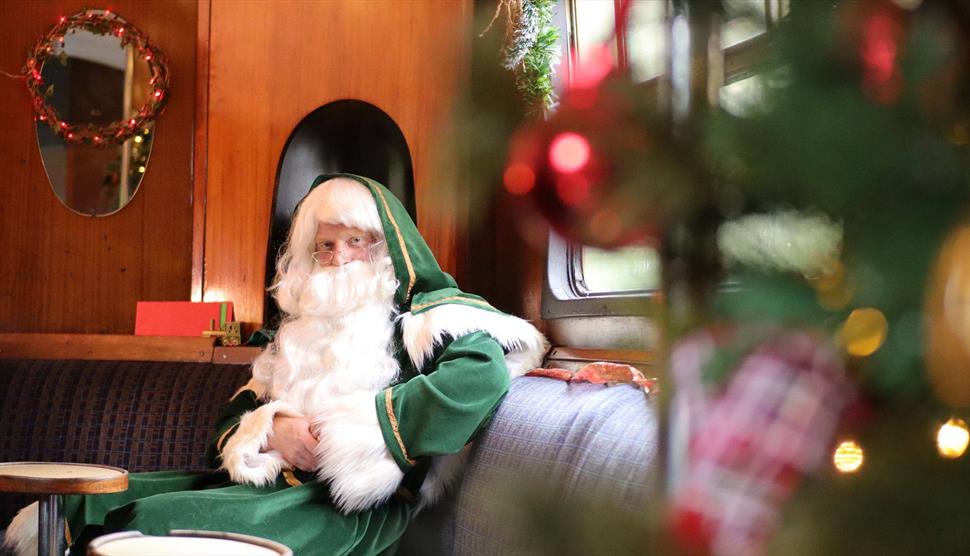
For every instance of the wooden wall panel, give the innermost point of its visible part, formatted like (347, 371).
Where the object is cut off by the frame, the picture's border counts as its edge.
(65, 273)
(271, 64)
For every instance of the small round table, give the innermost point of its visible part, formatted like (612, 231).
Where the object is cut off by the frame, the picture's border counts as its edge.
(49, 479)
(185, 543)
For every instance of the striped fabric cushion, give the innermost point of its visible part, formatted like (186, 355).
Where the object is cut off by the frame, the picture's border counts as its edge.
(142, 416)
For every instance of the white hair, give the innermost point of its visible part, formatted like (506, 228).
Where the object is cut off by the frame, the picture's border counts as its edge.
(341, 200)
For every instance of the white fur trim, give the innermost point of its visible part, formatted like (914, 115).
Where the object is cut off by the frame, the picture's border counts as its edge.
(422, 332)
(21, 535)
(443, 474)
(243, 456)
(352, 454)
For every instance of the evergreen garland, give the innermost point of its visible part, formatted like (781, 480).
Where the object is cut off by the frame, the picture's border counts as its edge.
(531, 51)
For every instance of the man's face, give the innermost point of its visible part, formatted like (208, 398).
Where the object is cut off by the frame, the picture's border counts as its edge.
(337, 245)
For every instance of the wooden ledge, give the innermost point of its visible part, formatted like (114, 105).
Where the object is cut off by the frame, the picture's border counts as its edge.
(106, 347)
(628, 356)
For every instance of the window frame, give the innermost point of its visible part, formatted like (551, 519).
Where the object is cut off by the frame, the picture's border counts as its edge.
(562, 292)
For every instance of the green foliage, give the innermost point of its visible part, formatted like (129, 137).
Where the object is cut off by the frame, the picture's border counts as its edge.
(534, 75)
(882, 167)
(905, 499)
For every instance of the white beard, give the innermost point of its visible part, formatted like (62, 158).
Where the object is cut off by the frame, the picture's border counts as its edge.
(340, 342)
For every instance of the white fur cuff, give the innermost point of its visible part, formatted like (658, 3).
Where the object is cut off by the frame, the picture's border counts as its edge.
(243, 456)
(21, 535)
(525, 346)
(352, 454)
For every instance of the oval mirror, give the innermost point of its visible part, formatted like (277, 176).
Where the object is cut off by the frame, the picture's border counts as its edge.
(97, 92)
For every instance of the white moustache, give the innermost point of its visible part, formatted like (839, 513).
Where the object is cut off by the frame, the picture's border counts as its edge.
(339, 290)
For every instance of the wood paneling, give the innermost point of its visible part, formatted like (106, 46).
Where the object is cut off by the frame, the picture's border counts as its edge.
(271, 64)
(61, 272)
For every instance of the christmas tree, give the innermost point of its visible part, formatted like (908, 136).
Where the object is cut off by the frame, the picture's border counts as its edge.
(817, 266)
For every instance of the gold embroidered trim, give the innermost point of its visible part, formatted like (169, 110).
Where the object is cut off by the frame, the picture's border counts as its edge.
(389, 406)
(222, 437)
(291, 479)
(447, 299)
(400, 240)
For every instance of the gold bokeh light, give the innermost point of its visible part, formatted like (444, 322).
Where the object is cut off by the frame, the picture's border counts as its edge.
(864, 332)
(952, 438)
(848, 457)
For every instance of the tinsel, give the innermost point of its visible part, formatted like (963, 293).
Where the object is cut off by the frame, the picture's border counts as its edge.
(788, 241)
(523, 36)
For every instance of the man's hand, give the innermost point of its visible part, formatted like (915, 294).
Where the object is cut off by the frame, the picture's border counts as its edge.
(292, 438)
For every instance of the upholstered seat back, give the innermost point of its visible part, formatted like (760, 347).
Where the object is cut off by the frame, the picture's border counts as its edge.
(142, 416)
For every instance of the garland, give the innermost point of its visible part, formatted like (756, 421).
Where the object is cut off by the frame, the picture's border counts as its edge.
(100, 23)
(531, 50)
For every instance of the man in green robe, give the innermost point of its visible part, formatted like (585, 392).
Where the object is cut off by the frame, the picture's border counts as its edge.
(380, 374)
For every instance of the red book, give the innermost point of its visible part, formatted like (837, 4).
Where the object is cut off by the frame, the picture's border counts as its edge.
(180, 318)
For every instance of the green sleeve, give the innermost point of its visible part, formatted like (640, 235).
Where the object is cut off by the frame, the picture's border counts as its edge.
(438, 412)
(228, 423)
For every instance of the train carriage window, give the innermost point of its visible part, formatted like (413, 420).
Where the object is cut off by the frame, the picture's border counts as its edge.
(583, 280)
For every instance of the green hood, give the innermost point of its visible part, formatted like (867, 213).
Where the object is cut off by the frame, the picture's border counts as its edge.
(423, 285)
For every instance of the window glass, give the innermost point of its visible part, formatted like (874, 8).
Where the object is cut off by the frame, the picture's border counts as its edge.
(634, 270)
(624, 270)
(743, 20)
(746, 97)
(594, 24)
(646, 39)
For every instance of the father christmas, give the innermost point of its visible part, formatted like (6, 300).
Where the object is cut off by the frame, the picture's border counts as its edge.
(381, 367)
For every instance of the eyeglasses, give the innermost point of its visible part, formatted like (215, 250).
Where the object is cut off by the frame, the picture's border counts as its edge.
(368, 249)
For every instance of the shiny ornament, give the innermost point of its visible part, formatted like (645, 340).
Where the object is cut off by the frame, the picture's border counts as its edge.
(947, 311)
(603, 171)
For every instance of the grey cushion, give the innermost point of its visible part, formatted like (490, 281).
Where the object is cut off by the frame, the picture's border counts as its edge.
(590, 446)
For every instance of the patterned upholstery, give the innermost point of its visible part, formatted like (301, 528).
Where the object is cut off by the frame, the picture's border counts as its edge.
(592, 444)
(587, 440)
(142, 416)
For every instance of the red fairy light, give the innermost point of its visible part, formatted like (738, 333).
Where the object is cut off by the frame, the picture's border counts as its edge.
(879, 53)
(42, 118)
(519, 179)
(70, 136)
(131, 121)
(148, 56)
(63, 125)
(569, 152)
(61, 19)
(158, 94)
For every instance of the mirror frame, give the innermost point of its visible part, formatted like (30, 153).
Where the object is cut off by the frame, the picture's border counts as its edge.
(101, 23)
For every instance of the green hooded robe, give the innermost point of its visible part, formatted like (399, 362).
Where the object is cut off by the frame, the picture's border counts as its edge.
(456, 355)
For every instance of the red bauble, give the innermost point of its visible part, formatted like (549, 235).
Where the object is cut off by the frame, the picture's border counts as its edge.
(876, 32)
(603, 171)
